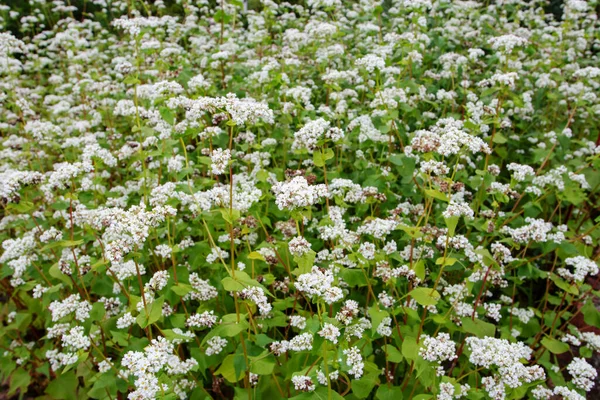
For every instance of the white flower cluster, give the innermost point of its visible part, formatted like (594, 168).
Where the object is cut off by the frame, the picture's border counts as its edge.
(371, 62)
(583, 373)
(220, 161)
(297, 193)
(446, 138)
(302, 342)
(438, 349)
(458, 209)
(299, 246)
(309, 135)
(319, 283)
(216, 344)
(257, 296)
(205, 320)
(582, 267)
(145, 367)
(330, 332)
(355, 361)
(491, 352)
(71, 304)
(303, 383)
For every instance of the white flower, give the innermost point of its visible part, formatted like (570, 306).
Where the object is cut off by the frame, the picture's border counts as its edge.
(216, 344)
(205, 320)
(330, 332)
(384, 328)
(125, 321)
(354, 360)
(297, 193)
(303, 383)
(220, 161)
(319, 283)
(257, 296)
(299, 246)
(583, 373)
(297, 321)
(438, 349)
(583, 267)
(370, 62)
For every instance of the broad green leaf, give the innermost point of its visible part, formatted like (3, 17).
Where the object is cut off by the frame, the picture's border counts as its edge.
(230, 215)
(436, 194)
(388, 393)
(425, 296)
(320, 393)
(255, 255)
(181, 289)
(410, 348)
(478, 328)
(263, 364)
(567, 287)
(19, 380)
(555, 346)
(591, 315)
(227, 369)
(305, 262)
(362, 387)
(393, 354)
(63, 387)
(451, 225)
(377, 316)
(318, 159)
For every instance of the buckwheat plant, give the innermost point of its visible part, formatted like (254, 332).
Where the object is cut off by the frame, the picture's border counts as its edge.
(314, 199)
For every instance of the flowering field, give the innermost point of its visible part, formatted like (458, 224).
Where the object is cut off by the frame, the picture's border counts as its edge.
(332, 199)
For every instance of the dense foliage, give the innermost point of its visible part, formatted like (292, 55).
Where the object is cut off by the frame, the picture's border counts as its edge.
(329, 200)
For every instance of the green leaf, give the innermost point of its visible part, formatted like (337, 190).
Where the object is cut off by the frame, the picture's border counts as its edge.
(396, 159)
(230, 216)
(263, 364)
(425, 296)
(389, 393)
(19, 380)
(353, 277)
(154, 313)
(22, 207)
(227, 369)
(451, 224)
(229, 327)
(131, 80)
(318, 159)
(63, 387)
(446, 261)
(410, 348)
(572, 289)
(242, 280)
(393, 354)
(55, 272)
(255, 255)
(305, 263)
(181, 289)
(436, 194)
(591, 315)
(98, 311)
(419, 268)
(321, 393)
(231, 285)
(478, 328)
(167, 115)
(499, 138)
(377, 316)
(362, 387)
(555, 346)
